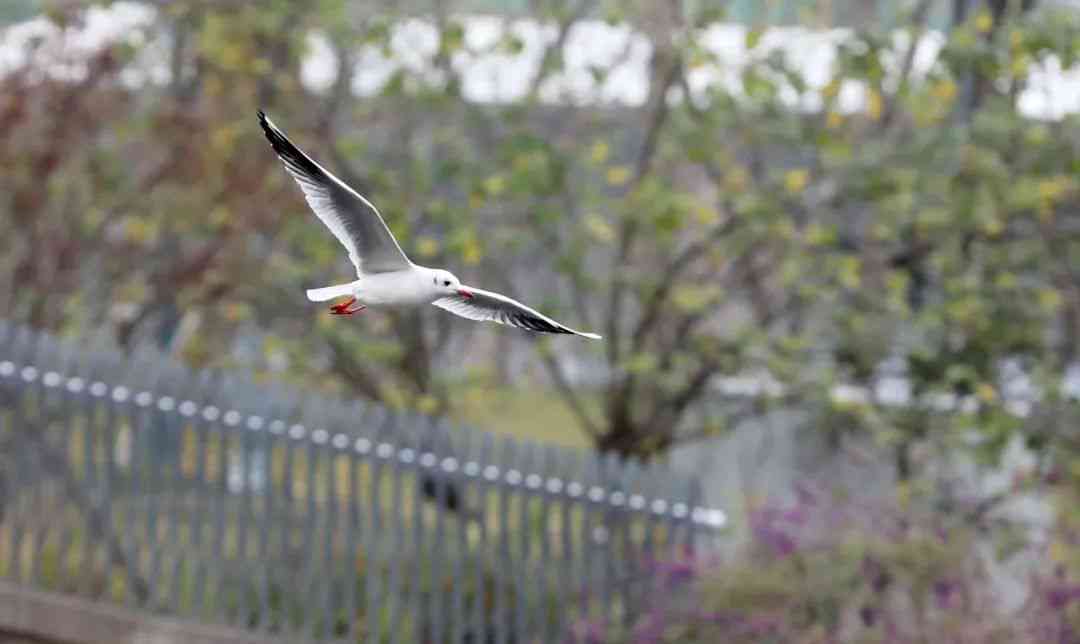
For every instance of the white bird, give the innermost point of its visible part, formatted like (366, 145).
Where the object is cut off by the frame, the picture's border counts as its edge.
(386, 277)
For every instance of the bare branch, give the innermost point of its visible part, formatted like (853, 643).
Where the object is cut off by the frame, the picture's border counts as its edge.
(919, 18)
(351, 370)
(658, 113)
(547, 59)
(569, 394)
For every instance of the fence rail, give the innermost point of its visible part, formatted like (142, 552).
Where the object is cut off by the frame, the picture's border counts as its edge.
(133, 480)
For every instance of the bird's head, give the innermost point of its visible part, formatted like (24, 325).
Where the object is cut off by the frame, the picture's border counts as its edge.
(448, 283)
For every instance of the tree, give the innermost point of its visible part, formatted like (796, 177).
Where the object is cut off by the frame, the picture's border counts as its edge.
(711, 230)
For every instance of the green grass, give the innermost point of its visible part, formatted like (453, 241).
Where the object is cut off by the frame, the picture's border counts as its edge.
(533, 414)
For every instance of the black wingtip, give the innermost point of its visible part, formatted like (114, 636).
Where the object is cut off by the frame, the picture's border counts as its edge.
(291, 155)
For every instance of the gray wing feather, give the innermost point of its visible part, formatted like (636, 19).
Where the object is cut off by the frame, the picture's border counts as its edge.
(351, 218)
(488, 306)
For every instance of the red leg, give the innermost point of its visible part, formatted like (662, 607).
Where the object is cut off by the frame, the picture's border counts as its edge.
(339, 309)
(344, 307)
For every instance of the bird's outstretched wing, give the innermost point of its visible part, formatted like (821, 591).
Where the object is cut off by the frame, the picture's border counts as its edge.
(485, 305)
(353, 220)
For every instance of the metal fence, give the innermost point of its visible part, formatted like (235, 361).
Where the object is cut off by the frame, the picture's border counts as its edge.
(133, 480)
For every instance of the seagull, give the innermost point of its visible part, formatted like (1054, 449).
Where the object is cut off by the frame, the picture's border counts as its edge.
(385, 275)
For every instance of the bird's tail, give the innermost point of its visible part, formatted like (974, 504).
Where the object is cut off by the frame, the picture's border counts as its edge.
(329, 292)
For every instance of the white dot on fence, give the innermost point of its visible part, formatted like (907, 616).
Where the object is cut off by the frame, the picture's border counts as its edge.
(637, 501)
(600, 534)
(211, 413)
(513, 477)
(533, 481)
(255, 423)
(617, 498)
(341, 441)
(7, 368)
(144, 398)
(99, 389)
(554, 486)
(363, 446)
(51, 379)
(449, 464)
(29, 374)
(678, 510)
(406, 455)
(296, 432)
(384, 450)
(75, 385)
(120, 394)
(232, 418)
(574, 489)
(491, 473)
(427, 459)
(715, 518)
(320, 436)
(188, 408)
(166, 403)
(596, 494)
(659, 506)
(277, 426)
(472, 468)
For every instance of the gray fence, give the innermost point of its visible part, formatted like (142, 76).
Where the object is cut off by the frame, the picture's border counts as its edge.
(136, 481)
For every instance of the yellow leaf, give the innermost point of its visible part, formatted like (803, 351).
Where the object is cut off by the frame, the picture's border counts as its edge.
(599, 152)
(706, 215)
(641, 363)
(618, 175)
(427, 404)
(221, 139)
(986, 393)
(1049, 299)
(944, 90)
(692, 299)
(1019, 66)
(220, 216)
(875, 104)
(1007, 280)
(993, 226)
(471, 253)
(834, 120)
(816, 234)
(494, 185)
(1059, 553)
(736, 179)
(599, 229)
(903, 494)
(984, 22)
(850, 268)
(138, 231)
(795, 180)
(782, 229)
(427, 247)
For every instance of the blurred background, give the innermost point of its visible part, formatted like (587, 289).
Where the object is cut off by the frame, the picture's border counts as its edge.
(833, 247)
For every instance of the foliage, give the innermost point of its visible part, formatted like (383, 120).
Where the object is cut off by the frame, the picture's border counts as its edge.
(825, 570)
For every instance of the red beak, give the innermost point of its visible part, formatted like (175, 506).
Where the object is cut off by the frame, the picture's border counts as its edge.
(466, 294)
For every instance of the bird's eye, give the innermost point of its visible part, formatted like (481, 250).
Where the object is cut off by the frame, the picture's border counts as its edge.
(446, 283)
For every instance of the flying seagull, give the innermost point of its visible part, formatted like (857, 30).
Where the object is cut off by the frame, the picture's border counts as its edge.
(386, 277)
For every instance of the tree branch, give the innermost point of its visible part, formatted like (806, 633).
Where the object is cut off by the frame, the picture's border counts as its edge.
(628, 234)
(569, 393)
